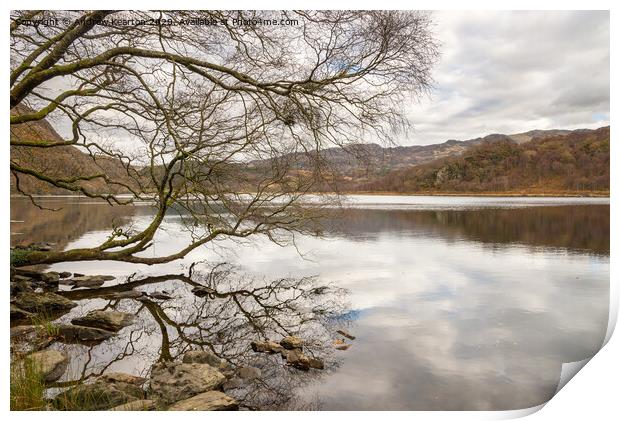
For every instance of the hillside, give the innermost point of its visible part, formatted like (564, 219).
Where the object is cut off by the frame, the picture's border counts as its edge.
(576, 161)
(63, 161)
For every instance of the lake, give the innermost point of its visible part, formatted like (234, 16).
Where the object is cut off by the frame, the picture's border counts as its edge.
(455, 303)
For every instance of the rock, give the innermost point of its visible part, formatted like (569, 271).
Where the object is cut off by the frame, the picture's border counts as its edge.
(208, 401)
(63, 275)
(19, 286)
(316, 363)
(160, 295)
(90, 281)
(172, 382)
(51, 363)
(122, 378)
(77, 275)
(249, 373)
(341, 345)
(269, 347)
(233, 383)
(201, 291)
(28, 339)
(345, 334)
(297, 359)
(98, 395)
(82, 334)
(291, 342)
(205, 357)
(46, 302)
(139, 405)
(19, 315)
(108, 320)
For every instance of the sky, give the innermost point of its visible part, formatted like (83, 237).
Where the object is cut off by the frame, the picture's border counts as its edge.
(510, 72)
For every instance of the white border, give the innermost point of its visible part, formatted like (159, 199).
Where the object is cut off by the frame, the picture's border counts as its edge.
(592, 395)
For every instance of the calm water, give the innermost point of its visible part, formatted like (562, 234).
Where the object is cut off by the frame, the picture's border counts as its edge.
(456, 303)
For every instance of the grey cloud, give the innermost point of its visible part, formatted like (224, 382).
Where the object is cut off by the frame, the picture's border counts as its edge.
(515, 71)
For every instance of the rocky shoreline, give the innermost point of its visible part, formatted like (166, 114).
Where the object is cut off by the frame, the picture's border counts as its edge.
(197, 380)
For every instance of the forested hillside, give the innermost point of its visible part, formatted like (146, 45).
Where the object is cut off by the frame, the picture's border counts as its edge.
(573, 162)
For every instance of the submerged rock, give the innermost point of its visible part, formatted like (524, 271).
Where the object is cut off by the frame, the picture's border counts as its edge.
(208, 401)
(44, 302)
(201, 291)
(269, 347)
(82, 334)
(139, 405)
(291, 342)
(249, 373)
(174, 381)
(51, 363)
(206, 357)
(124, 294)
(108, 320)
(90, 281)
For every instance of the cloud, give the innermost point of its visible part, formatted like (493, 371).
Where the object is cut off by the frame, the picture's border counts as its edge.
(509, 72)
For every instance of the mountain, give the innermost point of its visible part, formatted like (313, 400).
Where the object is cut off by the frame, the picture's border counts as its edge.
(562, 162)
(60, 162)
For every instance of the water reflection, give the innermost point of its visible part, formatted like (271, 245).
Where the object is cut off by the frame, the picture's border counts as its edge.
(453, 306)
(234, 311)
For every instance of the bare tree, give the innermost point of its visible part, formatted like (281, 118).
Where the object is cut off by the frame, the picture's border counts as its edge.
(183, 101)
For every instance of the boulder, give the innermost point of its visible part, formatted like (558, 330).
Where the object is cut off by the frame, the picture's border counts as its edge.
(98, 395)
(208, 401)
(27, 339)
(174, 381)
(63, 275)
(19, 315)
(82, 334)
(249, 373)
(269, 347)
(90, 281)
(206, 357)
(45, 302)
(139, 405)
(291, 342)
(122, 378)
(108, 320)
(51, 363)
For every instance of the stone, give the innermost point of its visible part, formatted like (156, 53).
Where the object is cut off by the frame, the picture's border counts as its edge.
(205, 357)
(345, 334)
(269, 347)
(27, 339)
(208, 401)
(291, 342)
(63, 275)
(82, 334)
(108, 320)
(98, 395)
(77, 275)
(19, 315)
(19, 286)
(316, 363)
(46, 302)
(90, 281)
(233, 383)
(341, 345)
(51, 363)
(122, 378)
(139, 405)
(174, 381)
(297, 359)
(249, 373)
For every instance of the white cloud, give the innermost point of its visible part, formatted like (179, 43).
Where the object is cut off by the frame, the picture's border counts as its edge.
(508, 72)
